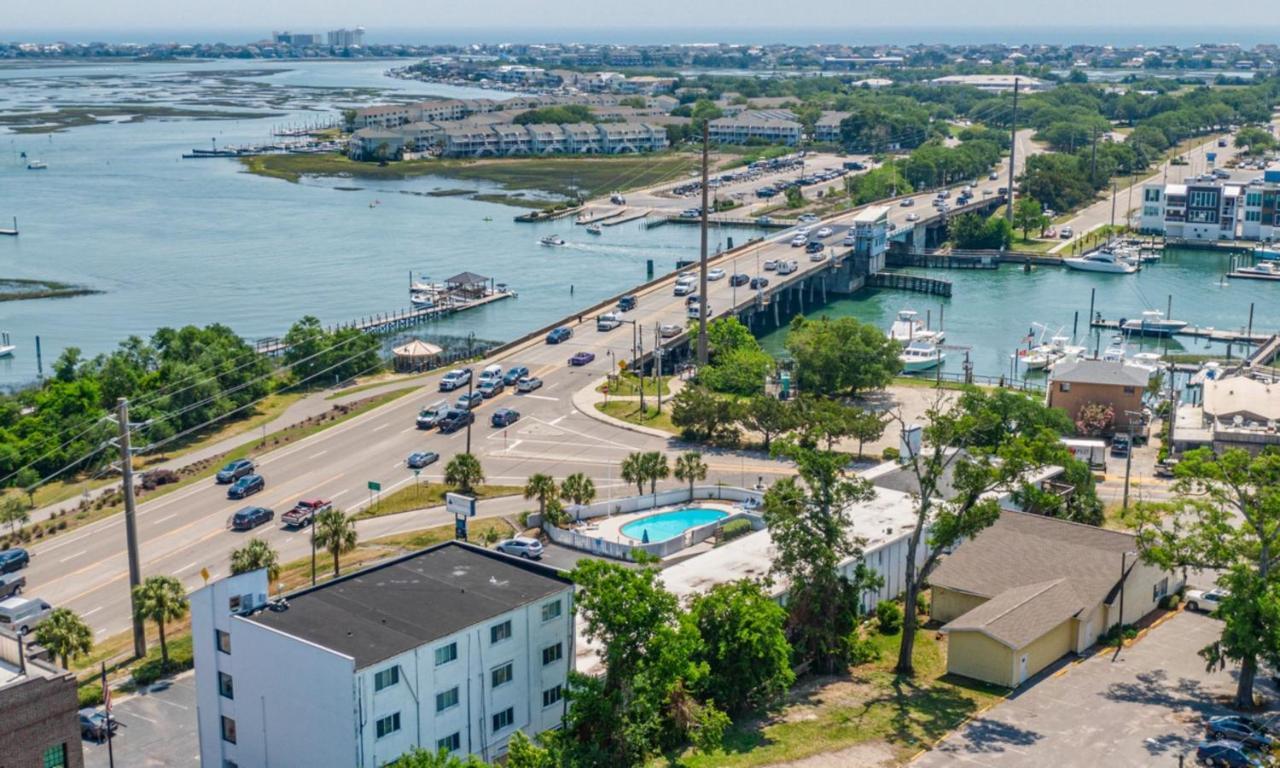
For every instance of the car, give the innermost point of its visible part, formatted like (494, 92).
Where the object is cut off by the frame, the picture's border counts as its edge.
(430, 416)
(1166, 468)
(504, 417)
(1244, 730)
(234, 471)
(740, 278)
(807, 218)
(456, 419)
(14, 559)
(490, 388)
(691, 299)
(249, 518)
(825, 232)
(1051, 232)
(581, 358)
(907, 202)
(799, 241)
(246, 486)
(93, 725)
(814, 247)
(1120, 446)
(1206, 600)
(770, 265)
(944, 194)
(695, 311)
(683, 289)
(421, 459)
(817, 256)
(514, 373)
(608, 321)
(521, 546)
(304, 512)
(558, 335)
(454, 379)
(669, 330)
(468, 401)
(1232, 754)
(11, 584)
(850, 239)
(994, 175)
(913, 217)
(758, 283)
(788, 266)
(1065, 233)
(627, 303)
(21, 615)
(716, 273)
(528, 384)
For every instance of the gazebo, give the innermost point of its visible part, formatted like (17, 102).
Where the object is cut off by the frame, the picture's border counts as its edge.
(468, 284)
(417, 355)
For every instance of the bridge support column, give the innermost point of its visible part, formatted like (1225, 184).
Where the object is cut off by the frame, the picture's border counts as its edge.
(776, 321)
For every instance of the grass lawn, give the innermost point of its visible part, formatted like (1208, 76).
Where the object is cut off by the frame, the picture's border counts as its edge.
(425, 495)
(1039, 246)
(380, 380)
(871, 706)
(629, 411)
(625, 385)
(477, 531)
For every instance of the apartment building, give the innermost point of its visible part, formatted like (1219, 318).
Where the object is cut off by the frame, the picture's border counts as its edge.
(1261, 207)
(38, 709)
(1200, 210)
(498, 140)
(756, 126)
(454, 647)
(827, 129)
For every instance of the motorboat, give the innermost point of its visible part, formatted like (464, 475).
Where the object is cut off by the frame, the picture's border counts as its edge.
(1104, 260)
(909, 327)
(1267, 254)
(552, 240)
(1147, 361)
(37, 165)
(6, 346)
(595, 229)
(1044, 355)
(1263, 270)
(1152, 323)
(921, 356)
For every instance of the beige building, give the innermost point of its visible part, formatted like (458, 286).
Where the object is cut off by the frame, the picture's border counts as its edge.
(1235, 412)
(1031, 589)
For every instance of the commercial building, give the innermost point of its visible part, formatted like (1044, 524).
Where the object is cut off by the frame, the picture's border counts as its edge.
(1077, 383)
(39, 724)
(499, 139)
(1202, 210)
(346, 38)
(1031, 589)
(454, 647)
(756, 126)
(1235, 411)
(994, 83)
(297, 39)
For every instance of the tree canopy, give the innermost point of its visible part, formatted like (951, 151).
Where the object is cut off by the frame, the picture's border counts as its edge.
(841, 355)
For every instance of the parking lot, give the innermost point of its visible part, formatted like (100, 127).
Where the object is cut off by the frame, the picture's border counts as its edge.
(157, 728)
(1143, 707)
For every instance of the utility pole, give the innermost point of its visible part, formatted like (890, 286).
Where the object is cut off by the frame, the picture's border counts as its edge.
(1013, 149)
(1093, 159)
(702, 266)
(657, 363)
(130, 525)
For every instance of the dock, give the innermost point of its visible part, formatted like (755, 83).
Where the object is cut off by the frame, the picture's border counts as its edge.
(590, 218)
(631, 215)
(1222, 335)
(914, 283)
(763, 222)
(533, 216)
(942, 260)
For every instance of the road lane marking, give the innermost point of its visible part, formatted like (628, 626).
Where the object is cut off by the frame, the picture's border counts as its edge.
(339, 493)
(186, 567)
(89, 613)
(541, 397)
(132, 715)
(73, 557)
(408, 429)
(166, 517)
(380, 427)
(318, 455)
(557, 420)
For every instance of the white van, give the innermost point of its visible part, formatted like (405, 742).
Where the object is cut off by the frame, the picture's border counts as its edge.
(490, 373)
(694, 311)
(607, 322)
(22, 615)
(430, 416)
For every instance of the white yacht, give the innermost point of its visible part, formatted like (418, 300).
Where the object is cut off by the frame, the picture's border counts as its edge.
(1152, 323)
(1046, 355)
(594, 229)
(908, 327)
(921, 356)
(1263, 270)
(37, 165)
(1147, 361)
(552, 240)
(1101, 261)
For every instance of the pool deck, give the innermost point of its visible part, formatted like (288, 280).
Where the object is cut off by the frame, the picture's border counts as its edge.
(610, 528)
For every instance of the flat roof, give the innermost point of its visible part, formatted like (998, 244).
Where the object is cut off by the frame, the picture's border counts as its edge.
(380, 612)
(871, 214)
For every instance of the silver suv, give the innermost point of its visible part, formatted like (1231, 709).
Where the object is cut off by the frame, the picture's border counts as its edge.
(521, 546)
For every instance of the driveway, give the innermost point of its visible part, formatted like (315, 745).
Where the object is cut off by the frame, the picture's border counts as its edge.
(157, 728)
(1142, 708)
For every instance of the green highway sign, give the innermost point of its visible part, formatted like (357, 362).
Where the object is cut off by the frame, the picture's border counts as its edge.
(374, 485)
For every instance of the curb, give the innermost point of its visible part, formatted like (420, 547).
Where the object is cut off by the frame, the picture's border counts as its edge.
(585, 399)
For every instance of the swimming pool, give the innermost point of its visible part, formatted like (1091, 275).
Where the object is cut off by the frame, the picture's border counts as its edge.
(668, 525)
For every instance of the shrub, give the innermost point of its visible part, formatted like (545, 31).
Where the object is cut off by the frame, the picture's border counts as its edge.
(890, 454)
(734, 528)
(888, 617)
(1170, 602)
(862, 650)
(922, 603)
(151, 669)
(523, 519)
(90, 694)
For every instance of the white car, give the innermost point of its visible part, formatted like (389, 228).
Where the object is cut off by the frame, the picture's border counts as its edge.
(808, 217)
(824, 232)
(850, 240)
(787, 267)
(771, 265)
(1205, 600)
(521, 546)
(817, 256)
(668, 330)
(715, 273)
(799, 241)
(913, 217)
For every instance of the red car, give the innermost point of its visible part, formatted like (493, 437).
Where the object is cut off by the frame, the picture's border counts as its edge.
(582, 358)
(304, 512)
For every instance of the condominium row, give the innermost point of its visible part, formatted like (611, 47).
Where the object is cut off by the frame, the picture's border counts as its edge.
(468, 139)
(1212, 208)
(450, 110)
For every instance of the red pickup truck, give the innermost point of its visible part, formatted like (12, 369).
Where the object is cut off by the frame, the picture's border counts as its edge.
(304, 512)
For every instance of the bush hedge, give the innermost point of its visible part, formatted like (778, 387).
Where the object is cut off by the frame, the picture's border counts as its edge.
(734, 528)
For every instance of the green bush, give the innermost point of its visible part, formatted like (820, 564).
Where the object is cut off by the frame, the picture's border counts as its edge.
(734, 528)
(523, 519)
(891, 454)
(862, 650)
(1170, 602)
(90, 694)
(922, 603)
(151, 669)
(1117, 635)
(888, 617)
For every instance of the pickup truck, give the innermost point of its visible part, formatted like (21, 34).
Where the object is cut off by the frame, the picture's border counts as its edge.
(304, 512)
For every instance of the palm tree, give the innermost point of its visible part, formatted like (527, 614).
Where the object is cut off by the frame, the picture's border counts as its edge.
(254, 555)
(541, 487)
(578, 489)
(336, 532)
(691, 468)
(161, 599)
(65, 635)
(464, 472)
(633, 471)
(655, 468)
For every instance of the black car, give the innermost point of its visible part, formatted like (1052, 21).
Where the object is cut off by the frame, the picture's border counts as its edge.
(739, 279)
(420, 459)
(814, 247)
(1120, 446)
(504, 417)
(93, 725)
(558, 335)
(234, 471)
(250, 518)
(758, 282)
(514, 373)
(246, 486)
(456, 419)
(627, 303)
(14, 560)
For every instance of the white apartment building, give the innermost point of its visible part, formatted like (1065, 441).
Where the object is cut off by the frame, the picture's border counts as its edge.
(1261, 215)
(452, 647)
(771, 126)
(1200, 210)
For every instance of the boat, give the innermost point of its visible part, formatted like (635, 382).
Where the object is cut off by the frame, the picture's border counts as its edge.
(594, 229)
(1147, 361)
(1152, 323)
(552, 240)
(921, 356)
(6, 347)
(909, 327)
(1045, 355)
(37, 165)
(1101, 261)
(1266, 254)
(1266, 270)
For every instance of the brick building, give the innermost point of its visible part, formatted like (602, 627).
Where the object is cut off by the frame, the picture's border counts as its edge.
(39, 724)
(1078, 383)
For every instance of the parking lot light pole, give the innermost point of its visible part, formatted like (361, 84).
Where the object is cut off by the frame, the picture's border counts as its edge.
(470, 412)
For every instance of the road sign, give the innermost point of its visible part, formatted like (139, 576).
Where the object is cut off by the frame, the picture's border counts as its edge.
(374, 485)
(460, 529)
(459, 505)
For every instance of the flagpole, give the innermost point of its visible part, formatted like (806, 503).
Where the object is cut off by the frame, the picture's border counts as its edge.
(106, 700)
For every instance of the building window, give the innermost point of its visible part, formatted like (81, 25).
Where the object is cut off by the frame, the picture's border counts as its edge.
(223, 640)
(1160, 589)
(447, 699)
(386, 678)
(446, 653)
(228, 729)
(450, 743)
(1064, 386)
(551, 610)
(388, 725)
(55, 756)
(504, 719)
(552, 695)
(1129, 390)
(500, 632)
(552, 653)
(502, 675)
(225, 687)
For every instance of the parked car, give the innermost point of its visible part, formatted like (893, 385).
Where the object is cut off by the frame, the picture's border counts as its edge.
(11, 584)
(514, 373)
(93, 725)
(740, 278)
(504, 417)
(234, 471)
(528, 384)
(1205, 600)
(430, 416)
(14, 559)
(456, 419)
(490, 388)
(1231, 754)
(454, 379)
(1120, 446)
(627, 303)
(994, 175)
(557, 335)
(421, 459)
(716, 273)
(246, 486)
(669, 330)
(521, 546)
(1166, 468)
(1244, 730)
(249, 518)
(21, 615)
(468, 401)
(581, 358)
(758, 283)
(304, 512)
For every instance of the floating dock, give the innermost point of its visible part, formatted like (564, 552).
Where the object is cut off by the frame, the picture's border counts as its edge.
(913, 283)
(628, 216)
(1199, 332)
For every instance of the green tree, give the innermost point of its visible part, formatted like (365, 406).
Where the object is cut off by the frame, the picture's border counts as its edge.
(744, 646)
(1028, 214)
(542, 487)
(578, 489)
(655, 468)
(841, 356)
(335, 532)
(866, 426)
(161, 599)
(254, 555)
(559, 114)
(422, 758)
(1254, 140)
(690, 468)
(703, 417)
(14, 511)
(464, 472)
(65, 635)
(523, 753)
(633, 471)
(769, 416)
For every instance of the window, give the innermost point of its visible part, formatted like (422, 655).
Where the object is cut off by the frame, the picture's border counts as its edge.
(1064, 386)
(234, 604)
(500, 632)
(225, 687)
(450, 743)
(386, 678)
(388, 725)
(552, 695)
(552, 653)
(446, 653)
(1253, 215)
(223, 640)
(1129, 390)
(447, 699)
(1151, 195)
(1151, 210)
(228, 729)
(1160, 589)
(550, 610)
(55, 756)
(504, 719)
(502, 675)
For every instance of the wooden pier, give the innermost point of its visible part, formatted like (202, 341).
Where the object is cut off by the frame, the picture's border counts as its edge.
(589, 218)
(631, 215)
(913, 283)
(1224, 335)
